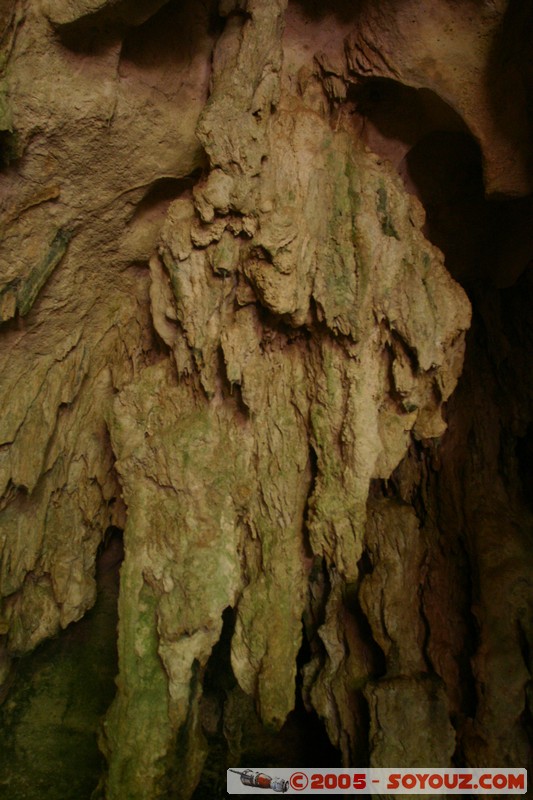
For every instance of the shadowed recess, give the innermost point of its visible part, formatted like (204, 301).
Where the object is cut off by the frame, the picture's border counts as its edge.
(49, 721)
(235, 734)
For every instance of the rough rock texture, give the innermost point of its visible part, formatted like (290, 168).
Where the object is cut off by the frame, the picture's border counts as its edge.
(81, 214)
(465, 61)
(227, 330)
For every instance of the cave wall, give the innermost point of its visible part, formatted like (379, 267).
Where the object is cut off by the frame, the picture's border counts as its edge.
(248, 253)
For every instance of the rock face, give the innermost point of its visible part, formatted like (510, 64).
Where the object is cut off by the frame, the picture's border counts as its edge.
(228, 332)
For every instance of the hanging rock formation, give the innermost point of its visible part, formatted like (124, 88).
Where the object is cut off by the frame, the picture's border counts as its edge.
(227, 331)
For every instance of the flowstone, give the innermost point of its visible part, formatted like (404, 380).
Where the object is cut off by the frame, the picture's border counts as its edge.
(314, 331)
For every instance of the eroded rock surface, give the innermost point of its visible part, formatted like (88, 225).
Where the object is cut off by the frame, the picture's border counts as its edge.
(225, 331)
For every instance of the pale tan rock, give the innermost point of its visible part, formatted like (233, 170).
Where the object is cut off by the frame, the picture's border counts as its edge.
(86, 328)
(334, 250)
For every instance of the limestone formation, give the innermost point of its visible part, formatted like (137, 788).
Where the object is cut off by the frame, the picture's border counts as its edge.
(228, 332)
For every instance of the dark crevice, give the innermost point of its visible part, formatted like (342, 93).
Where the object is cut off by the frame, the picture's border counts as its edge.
(109, 556)
(318, 747)
(526, 718)
(315, 616)
(237, 14)
(234, 733)
(525, 647)
(161, 194)
(365, 565)
(90, 38)
(481, 239)
(317, 10)
(149, 33)
(218, 676)
(401, 113)
(169, 38)
(471, 640)
(93, 33)
(375, 655)
(445, 171)
(441, 163)
(278, 330)
(231, 390)
(524, 456)
(58, 695)
(313, 471)
(218, 684)
(9, 148)
(12, 492)
(430, 667)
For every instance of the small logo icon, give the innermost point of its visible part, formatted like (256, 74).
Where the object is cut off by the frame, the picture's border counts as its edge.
(261, 781)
